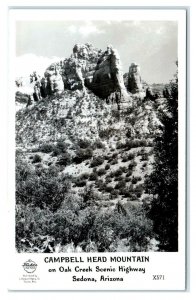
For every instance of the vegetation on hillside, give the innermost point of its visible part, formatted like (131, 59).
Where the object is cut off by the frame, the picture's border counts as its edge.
(90, 178)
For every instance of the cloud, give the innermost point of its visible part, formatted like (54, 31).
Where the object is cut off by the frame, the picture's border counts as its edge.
(27, 63)
(85, 30)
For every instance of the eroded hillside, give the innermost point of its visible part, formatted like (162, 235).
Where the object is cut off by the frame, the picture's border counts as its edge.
(94, 137)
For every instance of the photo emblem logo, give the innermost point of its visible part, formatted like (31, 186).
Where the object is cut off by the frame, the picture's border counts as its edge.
(29, 266)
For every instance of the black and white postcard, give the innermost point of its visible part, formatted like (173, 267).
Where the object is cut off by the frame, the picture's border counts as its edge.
(97, 130)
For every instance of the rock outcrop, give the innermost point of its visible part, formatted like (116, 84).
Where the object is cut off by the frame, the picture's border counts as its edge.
(134, 79)
(80, 66)
(92, 68)
(54, 79)
(89, 67)
(108, 77)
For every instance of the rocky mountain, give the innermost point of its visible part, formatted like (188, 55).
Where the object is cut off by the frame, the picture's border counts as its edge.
(94, 126)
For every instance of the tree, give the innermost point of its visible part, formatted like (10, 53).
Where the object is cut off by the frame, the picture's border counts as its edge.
(163, 182)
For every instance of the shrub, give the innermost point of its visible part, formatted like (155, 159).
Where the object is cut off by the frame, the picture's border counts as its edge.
(62, 146)
(131, 156)
(108, 189)
(127, 179)
(139, 188)
(115, 193)
(125, 158)
(84, 143)
(98, 144)
(144, 165)
(101, 172)
(132, 165)
(118, 178)
(111, 175)
(97, 161)
(100, 184)
(118, 172)
(106, 133)
(43, 187)
(107, 166)
(80, 182)
(108, 180)
(123, 169)
(135, 144)
(93, 176)
(129, 173)
(84, 176)
(121, 184)
(46, 148)
(133, 197)
(82, 155)
(37, 158)
(120, 145)
(138, 194)
(135, 179)
(114, 161)
(59, 148)
(64, 160)
(144, 157)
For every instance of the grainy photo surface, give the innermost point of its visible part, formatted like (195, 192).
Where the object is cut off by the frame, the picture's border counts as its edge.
(96, 132)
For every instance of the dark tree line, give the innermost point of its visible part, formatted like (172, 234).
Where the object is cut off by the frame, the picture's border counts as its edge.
(163, 182)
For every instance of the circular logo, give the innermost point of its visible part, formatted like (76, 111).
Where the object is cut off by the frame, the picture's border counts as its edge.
(29, 266)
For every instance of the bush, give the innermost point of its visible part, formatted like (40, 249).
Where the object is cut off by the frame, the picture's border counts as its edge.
(100, 184)
(108, 189)
(84, 143)
(139, 188)
(114, 161)
(37, 158)
(118, 178)
(131, 156)
(93, 176)
(123, 169)
(101, 172)
(98, 144)
(59, 148)
(108, 180)
(118, 172)
(133, 197)
(125, 158)
(121, 184)
(46, 148)
(80, 182)
(135, 179)
(129, 173)
(107, 166)
(132, 165)
(97, 161)
(135, 144)
(120, 145)
(64, 160)
(144, 157)
(84, 176)
(115, 193)
(105, 133)
(43, 187)
(82, 155)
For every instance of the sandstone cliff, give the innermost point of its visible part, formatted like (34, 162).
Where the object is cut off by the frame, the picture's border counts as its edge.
(134, 79)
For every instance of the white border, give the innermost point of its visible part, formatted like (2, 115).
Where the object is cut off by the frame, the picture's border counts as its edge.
(190, 294)
(170, 264)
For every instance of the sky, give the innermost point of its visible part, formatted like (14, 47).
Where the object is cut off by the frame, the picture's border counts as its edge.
(151, 44)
